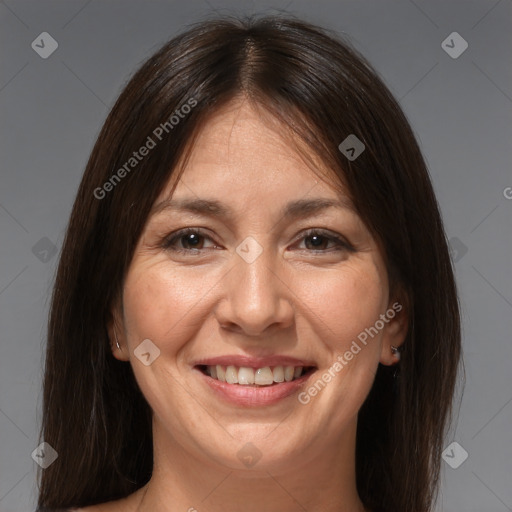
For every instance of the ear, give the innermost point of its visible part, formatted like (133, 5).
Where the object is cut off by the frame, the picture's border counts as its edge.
(115, 329)
(395, 330)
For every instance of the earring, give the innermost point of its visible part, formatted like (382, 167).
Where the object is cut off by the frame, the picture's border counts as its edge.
(395, 351)
(117, 342)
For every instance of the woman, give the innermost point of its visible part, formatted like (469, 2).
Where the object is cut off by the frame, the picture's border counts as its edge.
(301, 353)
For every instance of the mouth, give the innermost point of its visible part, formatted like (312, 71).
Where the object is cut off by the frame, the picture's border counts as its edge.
(254, 382)
(265, 376)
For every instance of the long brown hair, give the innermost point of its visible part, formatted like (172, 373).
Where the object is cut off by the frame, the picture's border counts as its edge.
(94, 414)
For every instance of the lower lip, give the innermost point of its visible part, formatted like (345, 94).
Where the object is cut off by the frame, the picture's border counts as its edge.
(253, 396)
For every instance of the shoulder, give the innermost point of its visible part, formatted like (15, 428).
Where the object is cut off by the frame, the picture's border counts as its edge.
(93, 508)
(122, 505)
(102, 507)
(126, 504)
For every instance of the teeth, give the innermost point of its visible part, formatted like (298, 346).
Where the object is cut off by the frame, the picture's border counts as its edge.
(231, 375)
(221, 373)
(278, 374)
(264, 376)
(249, 376)
(245, 376)
(288, 373)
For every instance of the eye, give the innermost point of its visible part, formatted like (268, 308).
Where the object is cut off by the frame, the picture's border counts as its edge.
(187, 236)
(319, 238)
(191, 240)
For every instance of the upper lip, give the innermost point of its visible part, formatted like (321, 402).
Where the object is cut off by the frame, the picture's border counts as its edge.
(253, 362)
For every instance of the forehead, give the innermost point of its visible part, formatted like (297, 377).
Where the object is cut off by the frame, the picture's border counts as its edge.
(247, 157)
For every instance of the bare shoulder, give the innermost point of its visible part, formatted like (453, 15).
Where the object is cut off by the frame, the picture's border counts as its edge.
(110, 506)
(102, 507)
(92, 508)
(128, 504)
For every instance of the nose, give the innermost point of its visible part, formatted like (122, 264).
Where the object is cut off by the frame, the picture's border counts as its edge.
(255, 298)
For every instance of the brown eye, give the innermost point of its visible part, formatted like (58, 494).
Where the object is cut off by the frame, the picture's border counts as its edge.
(319, 240)
(185, 240)
(191, 238)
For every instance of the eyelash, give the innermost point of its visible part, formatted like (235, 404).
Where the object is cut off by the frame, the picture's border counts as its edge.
(171, 239)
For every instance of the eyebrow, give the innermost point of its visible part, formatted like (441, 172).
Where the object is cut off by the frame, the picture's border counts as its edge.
(298, 209)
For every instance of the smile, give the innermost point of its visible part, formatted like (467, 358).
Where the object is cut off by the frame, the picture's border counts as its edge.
(250, 381)
(248, 376)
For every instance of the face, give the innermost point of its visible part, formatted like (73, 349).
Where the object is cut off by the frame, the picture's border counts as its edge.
(265, 286)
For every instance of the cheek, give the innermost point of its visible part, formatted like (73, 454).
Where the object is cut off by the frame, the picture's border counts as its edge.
(344, 303)
(161, 303)
(165, 306)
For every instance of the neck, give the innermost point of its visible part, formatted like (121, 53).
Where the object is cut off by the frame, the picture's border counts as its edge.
(183, 481)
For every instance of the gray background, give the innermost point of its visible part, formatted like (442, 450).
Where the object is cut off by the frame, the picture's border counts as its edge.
(52, 110)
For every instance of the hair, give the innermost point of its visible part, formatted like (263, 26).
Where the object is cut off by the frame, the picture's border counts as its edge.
(322, 90)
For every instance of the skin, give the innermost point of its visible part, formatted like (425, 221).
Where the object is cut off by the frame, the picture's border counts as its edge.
(292, 300)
